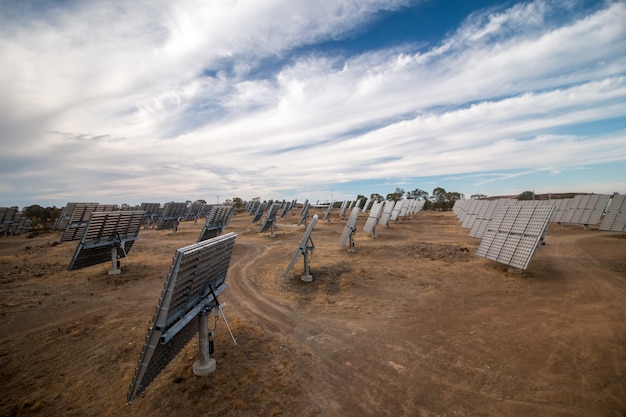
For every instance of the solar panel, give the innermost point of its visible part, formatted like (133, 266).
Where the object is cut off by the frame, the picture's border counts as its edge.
(514, 234)
(615, 218)
(77, 215)
(197, 276)
(372, 219)
(304, 248)
(216, 222)
(484, 215)
(105, 232)
(343, 208)
(151, 213)
(305, 213)
(259, 212)
(171, 216)
(350, 229)
(329, 211)
(584, 209)
(270, 219)
(386, 216)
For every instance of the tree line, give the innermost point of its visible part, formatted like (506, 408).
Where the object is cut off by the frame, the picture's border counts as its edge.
(440, 199)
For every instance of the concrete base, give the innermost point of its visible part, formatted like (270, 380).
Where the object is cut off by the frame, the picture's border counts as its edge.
(307, 278)
(516, 270)
(115, 271)
(204, 370)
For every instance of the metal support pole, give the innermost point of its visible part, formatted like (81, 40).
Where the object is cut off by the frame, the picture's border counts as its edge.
(205, 365)
(351, 248)
(115, 270)
(306, 277)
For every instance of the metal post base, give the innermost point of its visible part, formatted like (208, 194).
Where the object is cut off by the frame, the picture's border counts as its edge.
(307, 278)
(204, 369)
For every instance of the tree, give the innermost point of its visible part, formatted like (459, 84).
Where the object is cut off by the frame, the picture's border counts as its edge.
(478, 196)
(363, 200)
(396, 195)
(526, 195)
(417, 194)
(237, 202)
(444, 200)
(377, 197)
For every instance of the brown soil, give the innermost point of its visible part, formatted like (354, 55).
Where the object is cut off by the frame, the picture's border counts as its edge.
(412, 324)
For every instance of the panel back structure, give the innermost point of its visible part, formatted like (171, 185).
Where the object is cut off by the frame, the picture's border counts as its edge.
(151, 213)
(270, 219)
(372, 219)
(386, 215)
(197, 276)
(216, 221)
(350, 229)
(171, 216)
(77, 216)
(303, 248)
(305, 212)
(514, 234)
(106, 231)
(615, 218)
(259, 212)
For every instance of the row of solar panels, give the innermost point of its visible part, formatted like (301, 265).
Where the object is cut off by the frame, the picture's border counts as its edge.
(511, 230)
(12, 223)
(582, 209)
(107, 230)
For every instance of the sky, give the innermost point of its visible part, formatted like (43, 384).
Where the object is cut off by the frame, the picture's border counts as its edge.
(123, 102)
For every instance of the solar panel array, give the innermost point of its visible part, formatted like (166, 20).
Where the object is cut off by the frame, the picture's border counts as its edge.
(514, 234)
(216, 221)
(171, 215)
(12, 222)
(615, 219)
(151, 212)
(259, 211)
(372, 219)
(104, 231)
(386, 216)
(305, 212)
(197, 275)
(350, 227)
(584, 209)
(270, 219)
(329, 211)
(78, 217)
(303, 247)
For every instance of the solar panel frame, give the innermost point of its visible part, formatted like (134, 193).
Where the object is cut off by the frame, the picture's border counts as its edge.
(615, 218)
(305, 212)
(514, 234)
(172, 214)
(104, 231)
(372, 219)
(350, 226)
(216, 221)
(302, 247)
(270, 219)
(198, 272)
(386, 214)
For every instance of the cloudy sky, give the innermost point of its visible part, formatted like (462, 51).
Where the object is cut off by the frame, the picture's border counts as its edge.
(160, 100)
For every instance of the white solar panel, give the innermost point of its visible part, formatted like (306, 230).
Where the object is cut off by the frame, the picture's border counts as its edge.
(372, 219)
(350, 226)
(196, 277)
(615, 219)
(386, 216)
(514, 234)
(303, 248)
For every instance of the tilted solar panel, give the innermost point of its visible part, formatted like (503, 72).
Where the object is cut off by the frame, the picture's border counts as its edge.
(196, 277)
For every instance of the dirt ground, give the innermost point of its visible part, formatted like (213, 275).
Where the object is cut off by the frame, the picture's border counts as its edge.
(412, 324)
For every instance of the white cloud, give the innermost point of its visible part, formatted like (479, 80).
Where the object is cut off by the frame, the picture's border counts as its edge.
(167, 91)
